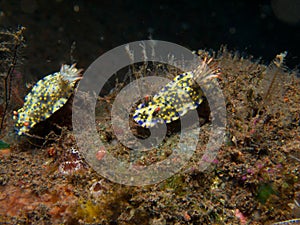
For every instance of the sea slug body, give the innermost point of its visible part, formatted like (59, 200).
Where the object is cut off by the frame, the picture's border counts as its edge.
(47, 96)
(171, 102)
(174, 100)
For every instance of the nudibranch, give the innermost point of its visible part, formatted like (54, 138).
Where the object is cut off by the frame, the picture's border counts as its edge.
(175, 99)
(46, 97)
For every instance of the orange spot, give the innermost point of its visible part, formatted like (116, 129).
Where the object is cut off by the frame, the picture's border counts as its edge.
(146, 98)
(26, 124)
(157, 109)
(55, 211)
(187, 217)
(15, 113)
(5, 152)
(51, 151)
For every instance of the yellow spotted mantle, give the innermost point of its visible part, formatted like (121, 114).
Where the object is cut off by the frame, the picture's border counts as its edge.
(177, 98)
(172, 101)
(46, 97)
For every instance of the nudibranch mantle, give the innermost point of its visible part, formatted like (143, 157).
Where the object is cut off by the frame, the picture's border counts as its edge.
(170, 103)
(46, 97)
(178, 97)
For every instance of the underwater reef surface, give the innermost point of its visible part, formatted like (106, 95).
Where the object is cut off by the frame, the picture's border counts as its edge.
(253, 180)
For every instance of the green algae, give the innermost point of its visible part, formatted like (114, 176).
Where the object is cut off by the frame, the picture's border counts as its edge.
(3, 145)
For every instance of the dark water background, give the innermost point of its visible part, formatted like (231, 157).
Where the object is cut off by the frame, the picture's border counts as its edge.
(259, 28)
